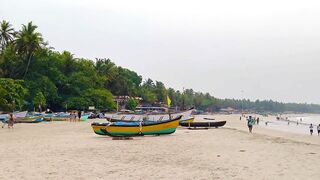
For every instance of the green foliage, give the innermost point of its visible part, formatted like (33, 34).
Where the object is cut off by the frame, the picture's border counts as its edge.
(39, 100)
(125, 82)
(132, 104)
(100, 98)
(80, 103)
(12, 94)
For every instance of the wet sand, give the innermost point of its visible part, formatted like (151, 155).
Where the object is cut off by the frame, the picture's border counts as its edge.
(65, 150)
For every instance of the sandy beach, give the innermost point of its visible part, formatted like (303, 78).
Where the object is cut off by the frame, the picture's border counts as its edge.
(65, 150)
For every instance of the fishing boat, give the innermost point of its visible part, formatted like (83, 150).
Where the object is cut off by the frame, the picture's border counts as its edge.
(84, 118)
(203, 124)
(190, 119)
(22, 114)
(29, 120)
(136, 128)
(186, 116)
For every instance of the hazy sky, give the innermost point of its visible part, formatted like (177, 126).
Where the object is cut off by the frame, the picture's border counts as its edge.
(267, 49)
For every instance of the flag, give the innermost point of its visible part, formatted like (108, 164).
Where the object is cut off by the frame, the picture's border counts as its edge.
(168, 101)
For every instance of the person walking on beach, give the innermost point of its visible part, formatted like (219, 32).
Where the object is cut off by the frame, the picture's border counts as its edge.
(11, 121)
(79, 115)
(311, 129)
(258, 120)
(250, 122)
(318, 128)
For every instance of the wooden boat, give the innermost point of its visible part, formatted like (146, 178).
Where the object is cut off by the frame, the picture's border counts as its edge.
(190, 119)
(84, 118)
(56, 119)
(136, 128)
(22, 114)
(29, 120)
(203, 124)
(186, 115)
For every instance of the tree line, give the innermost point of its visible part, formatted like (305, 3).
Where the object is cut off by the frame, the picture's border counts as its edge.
(34, 75)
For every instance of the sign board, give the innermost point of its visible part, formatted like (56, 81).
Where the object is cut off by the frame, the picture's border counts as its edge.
(91, 107)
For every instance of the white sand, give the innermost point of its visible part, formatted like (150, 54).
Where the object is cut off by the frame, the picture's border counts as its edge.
(64, 150)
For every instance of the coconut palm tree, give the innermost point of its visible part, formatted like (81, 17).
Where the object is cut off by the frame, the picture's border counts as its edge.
(27, 42)
(6, 34)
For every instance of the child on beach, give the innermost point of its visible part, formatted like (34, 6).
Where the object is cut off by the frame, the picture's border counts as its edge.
(11, 121)
(311, 129)
(318, 128)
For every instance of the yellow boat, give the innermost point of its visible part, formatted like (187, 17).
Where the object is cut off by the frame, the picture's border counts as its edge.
(136, 128)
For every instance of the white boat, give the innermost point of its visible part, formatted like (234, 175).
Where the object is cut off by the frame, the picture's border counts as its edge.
(22, 114)
(186, 115)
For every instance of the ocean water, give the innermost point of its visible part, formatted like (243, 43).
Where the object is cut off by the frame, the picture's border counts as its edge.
(297, 124)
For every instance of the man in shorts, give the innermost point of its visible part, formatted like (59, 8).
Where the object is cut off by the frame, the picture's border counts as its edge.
(311, 129)
(250, 122)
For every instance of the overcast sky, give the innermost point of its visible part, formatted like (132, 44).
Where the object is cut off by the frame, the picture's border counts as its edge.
(232, 49)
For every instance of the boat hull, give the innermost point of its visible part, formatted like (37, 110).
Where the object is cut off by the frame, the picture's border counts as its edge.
(136, 129)
(150, 117)
(29, 120)
(203, 124)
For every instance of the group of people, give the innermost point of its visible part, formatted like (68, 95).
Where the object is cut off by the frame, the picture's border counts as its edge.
(73, 116)
(9, 122)
(251, 121)
(311, 129)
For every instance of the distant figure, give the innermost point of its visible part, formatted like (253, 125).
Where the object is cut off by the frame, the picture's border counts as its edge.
(288, 122)
(318, 128)
(311, 129)
(11, 121)
(75, 117)
(300, 119)
(267, 123)
(79, 115)
(297, 122)
(250, 123)
(258, 120)
(240, 118)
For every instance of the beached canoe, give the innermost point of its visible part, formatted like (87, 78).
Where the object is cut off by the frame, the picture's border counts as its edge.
(190, 119)
(136, 128)
(84, 118)
(150, 117)
(203, 124)
(29, 120)
(22, 114)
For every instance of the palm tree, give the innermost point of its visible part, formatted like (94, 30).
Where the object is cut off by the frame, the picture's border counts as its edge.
(6, 34)
(68, 62)
(27, 42)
